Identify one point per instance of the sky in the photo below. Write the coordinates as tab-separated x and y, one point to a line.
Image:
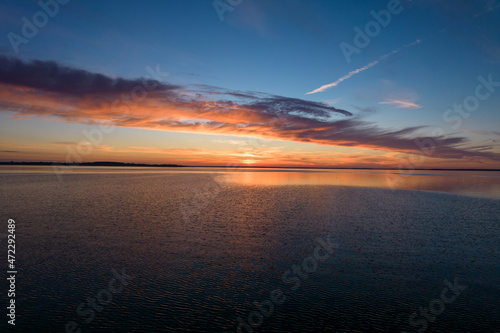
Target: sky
375	84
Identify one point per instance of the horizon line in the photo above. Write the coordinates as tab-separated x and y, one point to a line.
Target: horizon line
132	164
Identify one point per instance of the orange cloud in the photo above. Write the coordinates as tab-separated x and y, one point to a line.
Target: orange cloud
77	96
398	103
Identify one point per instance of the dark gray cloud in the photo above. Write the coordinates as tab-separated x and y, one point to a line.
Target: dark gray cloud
53	77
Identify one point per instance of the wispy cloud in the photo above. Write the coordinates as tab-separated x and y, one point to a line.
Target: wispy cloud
67	143
199	75
231	142
359	70
482	132
399	103
332	101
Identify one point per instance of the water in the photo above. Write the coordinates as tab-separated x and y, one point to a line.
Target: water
203	245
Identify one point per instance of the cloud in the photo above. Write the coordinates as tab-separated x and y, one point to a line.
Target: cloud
332	101
191	74
398	103
496	133
359	70
199	75
72	95
343	78
65	143
50	76
364	110
232	142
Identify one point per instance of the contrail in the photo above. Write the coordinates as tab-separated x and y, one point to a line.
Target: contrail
356	71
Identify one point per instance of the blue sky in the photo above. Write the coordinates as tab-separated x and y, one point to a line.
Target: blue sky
279	48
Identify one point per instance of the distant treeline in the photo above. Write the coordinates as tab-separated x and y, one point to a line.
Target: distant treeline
92	164
218	166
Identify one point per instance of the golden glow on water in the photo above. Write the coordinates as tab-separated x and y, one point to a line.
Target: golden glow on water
483	184
307	178
475	183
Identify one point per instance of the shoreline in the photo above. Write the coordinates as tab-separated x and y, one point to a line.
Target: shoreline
142	165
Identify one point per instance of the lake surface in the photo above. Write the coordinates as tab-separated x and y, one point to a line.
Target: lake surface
208	249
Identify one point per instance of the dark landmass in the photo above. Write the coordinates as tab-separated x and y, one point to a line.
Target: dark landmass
118	164
229	166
